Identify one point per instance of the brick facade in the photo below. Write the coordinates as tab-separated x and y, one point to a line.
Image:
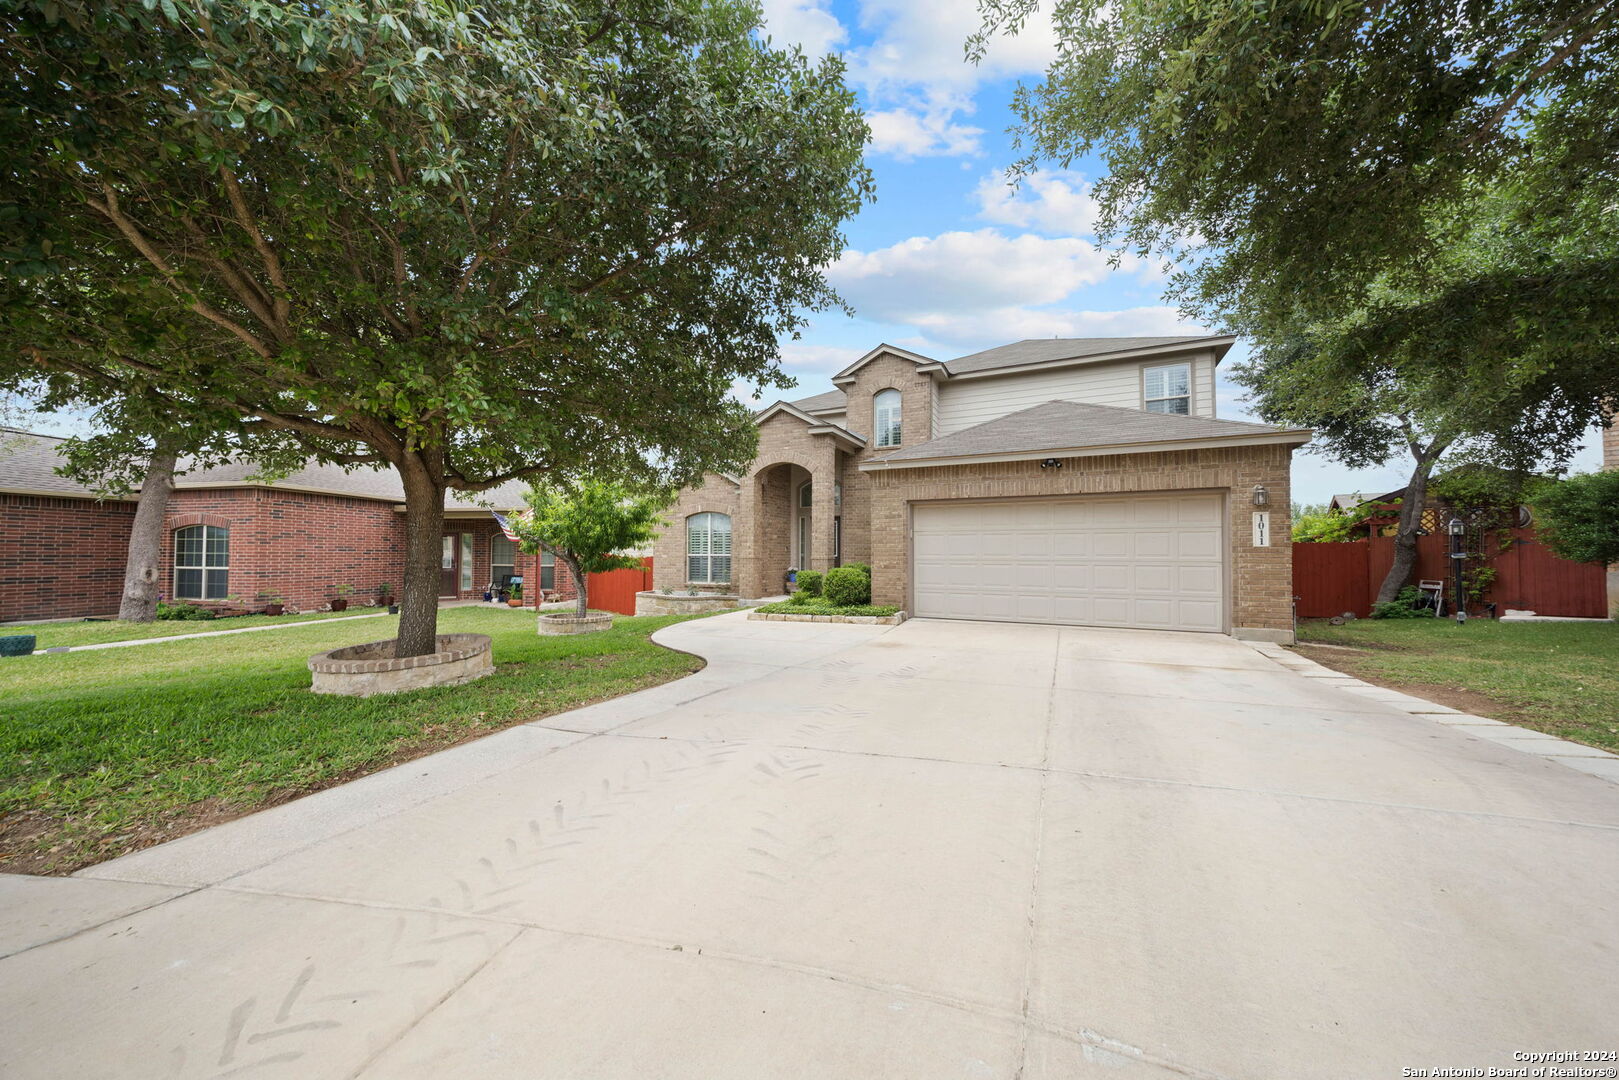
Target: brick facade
62	557
716	495
1261	578
65	557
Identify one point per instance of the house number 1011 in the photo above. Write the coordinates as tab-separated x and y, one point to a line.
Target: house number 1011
1262	528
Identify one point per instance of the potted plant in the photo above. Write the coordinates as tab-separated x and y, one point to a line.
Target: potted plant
274	603
516	599
340	602
385	598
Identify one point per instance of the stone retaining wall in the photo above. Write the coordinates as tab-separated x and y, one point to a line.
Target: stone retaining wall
364	670
656	603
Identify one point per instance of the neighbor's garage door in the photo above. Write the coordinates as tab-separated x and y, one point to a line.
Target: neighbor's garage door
1150	561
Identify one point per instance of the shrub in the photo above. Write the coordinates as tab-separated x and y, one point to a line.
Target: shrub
1409	604
847	586
864	568
821	607
1579	517
183	611
809	583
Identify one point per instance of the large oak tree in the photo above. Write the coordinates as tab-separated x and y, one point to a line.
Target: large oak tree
475	242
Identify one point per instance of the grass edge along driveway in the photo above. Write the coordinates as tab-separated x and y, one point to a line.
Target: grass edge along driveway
109	751
1555	677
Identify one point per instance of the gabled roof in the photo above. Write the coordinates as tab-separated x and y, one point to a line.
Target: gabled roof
28	463
831	401
1033	351
816	425
1071	428
847	374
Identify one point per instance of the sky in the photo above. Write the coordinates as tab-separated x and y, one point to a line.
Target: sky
950	259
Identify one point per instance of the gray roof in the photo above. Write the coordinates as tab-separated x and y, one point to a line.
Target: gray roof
1072	425
1049	350
832	399
28	463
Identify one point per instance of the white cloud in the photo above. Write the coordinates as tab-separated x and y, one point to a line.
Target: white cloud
923	42
965	272
1051	202
927	129
806	23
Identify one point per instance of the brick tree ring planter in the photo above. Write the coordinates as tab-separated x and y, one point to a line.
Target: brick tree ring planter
657	603
364	670
593	623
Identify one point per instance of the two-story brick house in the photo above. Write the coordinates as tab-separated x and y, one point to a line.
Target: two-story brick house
1083	481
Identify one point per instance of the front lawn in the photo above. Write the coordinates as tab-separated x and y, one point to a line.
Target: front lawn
1560	678
95	631
108	751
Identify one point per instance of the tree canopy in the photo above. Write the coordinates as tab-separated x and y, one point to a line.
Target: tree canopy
1579	517
475	242
590	525
1435	183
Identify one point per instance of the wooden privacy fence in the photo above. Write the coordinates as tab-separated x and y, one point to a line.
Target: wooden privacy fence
1330	579
615	590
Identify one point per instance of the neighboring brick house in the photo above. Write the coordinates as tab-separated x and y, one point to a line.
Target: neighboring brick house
1083	481
62	550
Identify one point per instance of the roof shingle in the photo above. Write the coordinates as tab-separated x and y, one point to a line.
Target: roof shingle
1050	350
1072	425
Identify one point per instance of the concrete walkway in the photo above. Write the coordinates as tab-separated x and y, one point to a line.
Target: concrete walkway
936	850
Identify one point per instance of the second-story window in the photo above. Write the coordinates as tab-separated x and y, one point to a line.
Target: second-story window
885	417
1167	389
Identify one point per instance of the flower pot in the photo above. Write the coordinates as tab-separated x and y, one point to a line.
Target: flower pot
340	604
393	609
514	603
17	645
274	609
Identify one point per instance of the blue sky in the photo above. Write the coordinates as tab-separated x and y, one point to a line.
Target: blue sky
950	260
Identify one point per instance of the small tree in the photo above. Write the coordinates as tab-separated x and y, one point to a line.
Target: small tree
1579	517
587	524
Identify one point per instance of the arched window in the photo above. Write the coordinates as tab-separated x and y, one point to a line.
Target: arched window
708	548
201	563
885	417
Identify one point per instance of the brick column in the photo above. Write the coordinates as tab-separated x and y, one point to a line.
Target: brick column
824	477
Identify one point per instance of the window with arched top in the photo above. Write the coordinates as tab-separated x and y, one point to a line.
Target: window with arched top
708	548
885	417
201	563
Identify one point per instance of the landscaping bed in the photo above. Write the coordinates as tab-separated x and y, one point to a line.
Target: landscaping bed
821	607
106	752
1559	678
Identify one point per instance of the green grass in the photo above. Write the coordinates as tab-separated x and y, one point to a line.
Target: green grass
1560	678
96	631
818	606
106	751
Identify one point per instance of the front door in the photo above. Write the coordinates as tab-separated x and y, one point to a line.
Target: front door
449	566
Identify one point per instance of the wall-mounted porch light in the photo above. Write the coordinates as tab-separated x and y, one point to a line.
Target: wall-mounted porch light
1051	463
1261	496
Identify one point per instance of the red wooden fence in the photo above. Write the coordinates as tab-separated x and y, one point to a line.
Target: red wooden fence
615	590
1330	579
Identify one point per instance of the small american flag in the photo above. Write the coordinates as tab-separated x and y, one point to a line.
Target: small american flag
505	526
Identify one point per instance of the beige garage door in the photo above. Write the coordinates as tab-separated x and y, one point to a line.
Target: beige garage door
1149	561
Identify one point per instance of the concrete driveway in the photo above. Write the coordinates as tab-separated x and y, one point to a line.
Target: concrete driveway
938	850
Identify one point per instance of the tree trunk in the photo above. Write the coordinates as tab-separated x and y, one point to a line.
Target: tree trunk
142	574
424	546
1405	536
579	583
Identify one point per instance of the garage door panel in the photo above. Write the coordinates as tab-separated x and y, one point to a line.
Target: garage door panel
1145	561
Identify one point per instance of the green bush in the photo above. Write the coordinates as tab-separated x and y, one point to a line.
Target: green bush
183	611
809	583
847	585
864	568
1579	517
1404	606
821	607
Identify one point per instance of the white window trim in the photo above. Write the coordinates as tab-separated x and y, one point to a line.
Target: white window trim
1191	387
202	567
709	554
878	434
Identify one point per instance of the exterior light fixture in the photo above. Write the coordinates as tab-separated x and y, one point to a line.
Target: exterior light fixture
1261	496
1051	463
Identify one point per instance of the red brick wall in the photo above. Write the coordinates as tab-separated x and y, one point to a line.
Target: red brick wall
61	558
485	530
295	544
